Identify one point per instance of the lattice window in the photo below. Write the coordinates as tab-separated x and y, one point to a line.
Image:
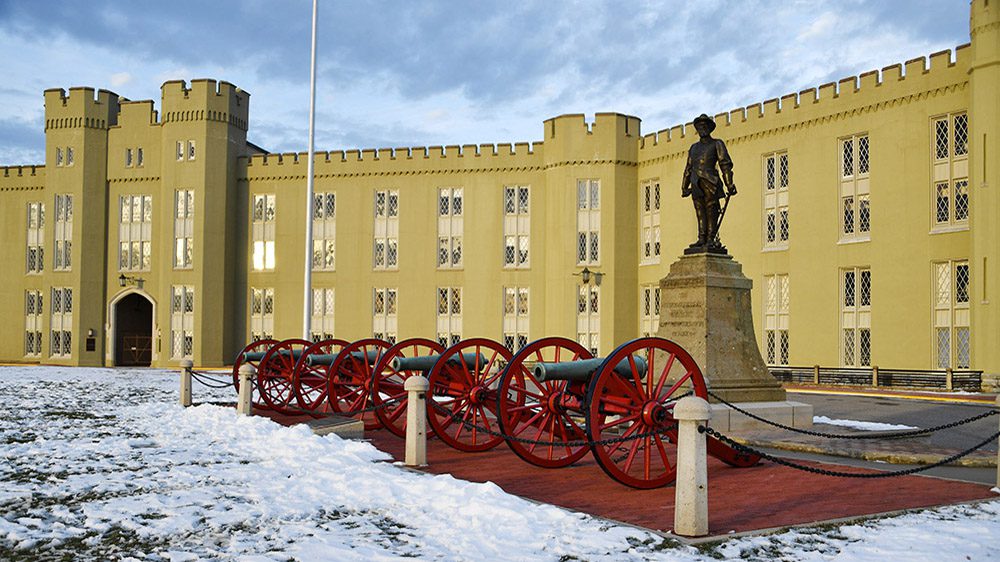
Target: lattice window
449	315
776	317
324	235
35	251
516	226
950	171
952	315
515	317
649	310
384	314
385	251
855	317
588	222
649	211
61	322
184	229
135	230
261	313
33	310
588	317
181	322
262	230
451	223
63	254
775	205
321	323
855	189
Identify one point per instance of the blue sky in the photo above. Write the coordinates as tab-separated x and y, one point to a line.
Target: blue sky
431	73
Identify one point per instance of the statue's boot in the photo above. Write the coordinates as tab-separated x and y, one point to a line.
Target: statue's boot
699	213
712	221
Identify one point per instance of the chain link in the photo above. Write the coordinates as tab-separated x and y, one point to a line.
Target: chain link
778	460
351	413
914	433
205	379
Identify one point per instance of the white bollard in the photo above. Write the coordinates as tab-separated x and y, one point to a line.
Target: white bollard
416	420
998	451
691	491
244	404
186	365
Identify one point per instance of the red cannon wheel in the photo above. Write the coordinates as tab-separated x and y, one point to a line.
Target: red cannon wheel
253	348
387	385
640	403
463	394
274	374
309	380
544	412
350	379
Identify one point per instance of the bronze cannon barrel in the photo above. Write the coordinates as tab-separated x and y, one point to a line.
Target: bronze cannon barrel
426	362
582	370
329	358
258	355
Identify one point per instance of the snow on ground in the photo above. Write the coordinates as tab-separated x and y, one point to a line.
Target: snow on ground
101	464
862	425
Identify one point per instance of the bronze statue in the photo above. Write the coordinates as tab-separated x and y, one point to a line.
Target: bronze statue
703	183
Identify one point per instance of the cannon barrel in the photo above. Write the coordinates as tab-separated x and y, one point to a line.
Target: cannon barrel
258	355
329	358
426	362
582	370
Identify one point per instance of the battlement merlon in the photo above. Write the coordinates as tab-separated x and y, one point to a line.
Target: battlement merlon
205	99
611	137
81	108
137	113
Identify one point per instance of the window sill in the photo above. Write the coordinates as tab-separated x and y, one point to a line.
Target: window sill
948	228
183	268
857	240
781	248
644	263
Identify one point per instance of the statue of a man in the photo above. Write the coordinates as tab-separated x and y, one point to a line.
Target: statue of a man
703	183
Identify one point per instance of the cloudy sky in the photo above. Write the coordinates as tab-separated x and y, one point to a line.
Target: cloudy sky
426	72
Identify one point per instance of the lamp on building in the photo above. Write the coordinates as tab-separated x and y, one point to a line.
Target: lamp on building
127	280
586	275
90	332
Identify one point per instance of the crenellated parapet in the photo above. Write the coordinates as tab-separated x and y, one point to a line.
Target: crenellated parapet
22	178
610	138
205	100
467	158
137	113
80	108
913	80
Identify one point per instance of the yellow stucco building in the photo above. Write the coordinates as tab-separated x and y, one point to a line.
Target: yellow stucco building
867	218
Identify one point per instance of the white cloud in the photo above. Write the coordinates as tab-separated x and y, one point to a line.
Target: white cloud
120	79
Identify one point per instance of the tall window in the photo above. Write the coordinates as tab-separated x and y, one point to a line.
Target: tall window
776	200
951	315
450	227
516	226
950	151
321	325
855	189
61	324
128	157
515	317
385	254
588	317
33	311
183	229
649	207
35	252
261	313
449	315
384	315
185	150
135	230
649	310
262	226
181	321
776	319
856	317
588	222
324	231
63	255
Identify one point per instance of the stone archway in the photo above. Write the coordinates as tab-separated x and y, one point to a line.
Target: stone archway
133	331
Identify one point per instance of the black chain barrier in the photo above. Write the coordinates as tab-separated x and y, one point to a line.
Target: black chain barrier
913	433
206	379
351	413
784	462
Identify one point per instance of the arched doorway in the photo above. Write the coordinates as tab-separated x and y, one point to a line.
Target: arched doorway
133	331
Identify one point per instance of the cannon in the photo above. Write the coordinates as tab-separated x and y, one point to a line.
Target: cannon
350	376
309	379
558	398
275	373
397	364
251	355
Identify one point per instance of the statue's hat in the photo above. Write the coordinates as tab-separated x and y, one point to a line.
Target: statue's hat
705	119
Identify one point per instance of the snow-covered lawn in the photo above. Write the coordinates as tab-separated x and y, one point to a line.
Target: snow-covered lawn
100	464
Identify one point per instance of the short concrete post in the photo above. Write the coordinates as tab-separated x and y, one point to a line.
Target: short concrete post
691	488
875	376
816	375
998	451
186	365
244	404
416	420
949	384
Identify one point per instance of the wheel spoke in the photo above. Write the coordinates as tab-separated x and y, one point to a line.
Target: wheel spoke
664	375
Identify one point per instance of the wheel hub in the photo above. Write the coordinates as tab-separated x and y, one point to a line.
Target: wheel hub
654	414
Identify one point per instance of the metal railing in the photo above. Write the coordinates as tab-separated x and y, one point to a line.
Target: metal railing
941	379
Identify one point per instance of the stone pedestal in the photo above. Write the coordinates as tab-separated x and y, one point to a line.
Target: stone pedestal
705	307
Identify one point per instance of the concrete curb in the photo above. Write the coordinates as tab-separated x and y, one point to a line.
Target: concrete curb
974	460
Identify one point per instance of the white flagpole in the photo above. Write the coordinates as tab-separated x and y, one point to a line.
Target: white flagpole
307	277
